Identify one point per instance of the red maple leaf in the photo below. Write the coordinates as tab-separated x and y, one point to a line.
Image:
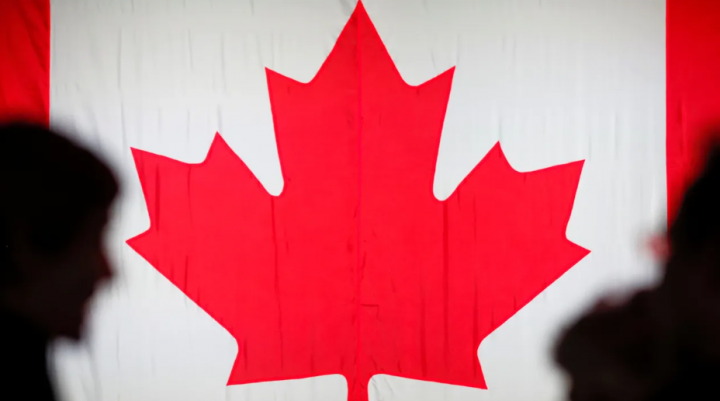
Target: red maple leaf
356	268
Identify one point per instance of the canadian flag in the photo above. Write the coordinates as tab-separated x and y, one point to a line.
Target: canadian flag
376	200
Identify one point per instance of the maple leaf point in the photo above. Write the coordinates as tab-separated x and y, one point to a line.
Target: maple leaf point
356	268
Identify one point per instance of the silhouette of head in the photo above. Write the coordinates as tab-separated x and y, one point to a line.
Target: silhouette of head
692	277
54	202
664	342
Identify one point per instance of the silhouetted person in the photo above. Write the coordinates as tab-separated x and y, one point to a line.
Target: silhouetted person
664	343
54	201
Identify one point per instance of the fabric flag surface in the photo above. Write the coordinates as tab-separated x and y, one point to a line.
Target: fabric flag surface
376	200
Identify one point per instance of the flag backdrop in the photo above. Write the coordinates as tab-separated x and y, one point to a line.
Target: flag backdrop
386	200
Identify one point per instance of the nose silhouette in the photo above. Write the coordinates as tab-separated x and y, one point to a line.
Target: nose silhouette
103	271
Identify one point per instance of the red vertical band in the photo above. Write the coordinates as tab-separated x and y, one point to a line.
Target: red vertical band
693	89
25	59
